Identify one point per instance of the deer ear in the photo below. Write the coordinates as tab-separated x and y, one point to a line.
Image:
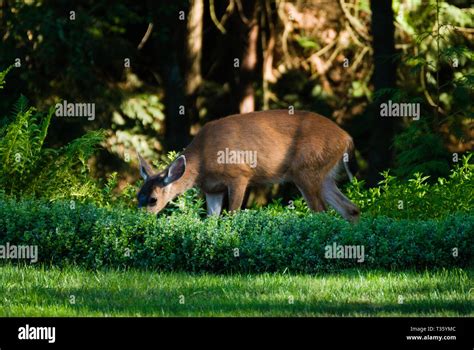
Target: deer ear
176	170
145	168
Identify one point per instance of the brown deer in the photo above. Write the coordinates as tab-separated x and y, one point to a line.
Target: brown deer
231	153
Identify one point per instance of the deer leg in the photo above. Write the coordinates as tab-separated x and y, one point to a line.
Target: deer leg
311	194
236	194
214	203
338	201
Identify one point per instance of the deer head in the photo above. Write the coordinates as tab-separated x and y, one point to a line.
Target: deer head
159	189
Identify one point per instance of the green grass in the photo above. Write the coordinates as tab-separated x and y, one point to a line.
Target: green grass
37	291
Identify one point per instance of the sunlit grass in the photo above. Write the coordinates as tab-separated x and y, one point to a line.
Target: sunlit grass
36	291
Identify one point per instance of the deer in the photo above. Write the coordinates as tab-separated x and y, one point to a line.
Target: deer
301	147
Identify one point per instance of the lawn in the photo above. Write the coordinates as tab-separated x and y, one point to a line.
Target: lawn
71	291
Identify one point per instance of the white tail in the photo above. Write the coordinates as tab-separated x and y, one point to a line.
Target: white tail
229	154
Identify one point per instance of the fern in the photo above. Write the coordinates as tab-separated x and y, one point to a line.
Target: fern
63	173
3	74
28	168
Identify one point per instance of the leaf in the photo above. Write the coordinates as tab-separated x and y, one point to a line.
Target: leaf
307	43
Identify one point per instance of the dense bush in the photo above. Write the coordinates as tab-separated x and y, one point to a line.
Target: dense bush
416	198
249	241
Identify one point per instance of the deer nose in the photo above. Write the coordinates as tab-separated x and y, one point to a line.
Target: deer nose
141	201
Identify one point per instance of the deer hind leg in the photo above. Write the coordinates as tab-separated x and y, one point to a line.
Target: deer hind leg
311	193
334	197
214	203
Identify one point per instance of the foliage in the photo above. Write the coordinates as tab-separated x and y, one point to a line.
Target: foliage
416	198
440	59
30	169
420	150
3	75
248	241
84	59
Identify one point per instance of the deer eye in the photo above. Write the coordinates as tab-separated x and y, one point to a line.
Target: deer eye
152	201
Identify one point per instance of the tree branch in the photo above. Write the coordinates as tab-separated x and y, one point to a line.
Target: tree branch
146	36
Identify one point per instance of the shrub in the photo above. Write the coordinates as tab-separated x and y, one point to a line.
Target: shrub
415	198
27	168
248	241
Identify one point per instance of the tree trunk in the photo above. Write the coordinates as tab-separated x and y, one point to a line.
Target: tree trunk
176	124
249	58
383	129
181	94
193	56
268	42
194	47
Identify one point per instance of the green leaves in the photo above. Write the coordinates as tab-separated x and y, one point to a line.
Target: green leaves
21	142
307	43
3	74
419	149
416	198
29	169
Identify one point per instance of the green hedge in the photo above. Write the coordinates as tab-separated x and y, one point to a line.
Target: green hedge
95	237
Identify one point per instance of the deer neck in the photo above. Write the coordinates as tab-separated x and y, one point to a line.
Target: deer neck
188	180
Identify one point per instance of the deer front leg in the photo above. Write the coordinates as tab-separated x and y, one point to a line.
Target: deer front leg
236	194
214	203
